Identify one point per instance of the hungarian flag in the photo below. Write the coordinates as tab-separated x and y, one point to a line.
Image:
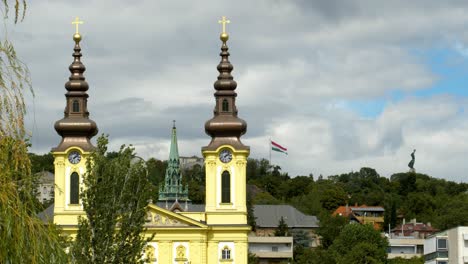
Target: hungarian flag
277	147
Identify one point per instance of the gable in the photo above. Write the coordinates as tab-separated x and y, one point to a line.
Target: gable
159	217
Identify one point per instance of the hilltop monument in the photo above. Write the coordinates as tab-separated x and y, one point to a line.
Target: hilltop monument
411	163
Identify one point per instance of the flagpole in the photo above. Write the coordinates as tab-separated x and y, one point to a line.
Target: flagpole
270	151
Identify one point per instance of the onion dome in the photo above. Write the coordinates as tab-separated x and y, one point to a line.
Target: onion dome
76	128
225	128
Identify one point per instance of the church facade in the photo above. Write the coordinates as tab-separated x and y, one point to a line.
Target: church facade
217	234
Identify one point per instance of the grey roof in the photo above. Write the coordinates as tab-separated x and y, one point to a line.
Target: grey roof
368	209
48	214
270	215
46	177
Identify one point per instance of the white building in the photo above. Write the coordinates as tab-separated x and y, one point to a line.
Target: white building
447	247
271	249
45	187
189	162
405	247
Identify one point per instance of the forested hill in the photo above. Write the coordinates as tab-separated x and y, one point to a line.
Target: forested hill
404	195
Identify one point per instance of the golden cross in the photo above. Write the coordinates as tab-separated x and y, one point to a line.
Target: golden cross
224	22
77	22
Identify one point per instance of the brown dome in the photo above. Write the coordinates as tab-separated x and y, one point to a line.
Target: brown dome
76	128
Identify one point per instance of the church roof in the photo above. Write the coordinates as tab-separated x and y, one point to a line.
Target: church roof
47	215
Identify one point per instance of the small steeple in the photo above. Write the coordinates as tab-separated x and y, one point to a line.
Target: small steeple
173	189
76	128
174	151
225	127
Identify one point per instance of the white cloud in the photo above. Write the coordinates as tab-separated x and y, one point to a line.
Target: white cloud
299	66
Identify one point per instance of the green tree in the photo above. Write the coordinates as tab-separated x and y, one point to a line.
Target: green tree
282	229
330	227
359	244
24	238
251	219
41	162
252	258
115	196
314	256
195	178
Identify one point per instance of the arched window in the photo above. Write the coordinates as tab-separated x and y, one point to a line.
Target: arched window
226	253
225	187
76	106
74	188
225	105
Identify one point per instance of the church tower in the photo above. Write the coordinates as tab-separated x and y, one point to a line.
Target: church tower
225	156
72	153
173	190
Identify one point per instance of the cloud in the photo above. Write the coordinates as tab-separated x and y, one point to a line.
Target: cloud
341	142
299	65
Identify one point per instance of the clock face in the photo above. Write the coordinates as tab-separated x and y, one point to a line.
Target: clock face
74	157
225	156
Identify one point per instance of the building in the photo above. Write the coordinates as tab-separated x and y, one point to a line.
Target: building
45	186
405	247
219	233
447	247
271	249
407	240
413	229
173	190
189	162
268	217
363	214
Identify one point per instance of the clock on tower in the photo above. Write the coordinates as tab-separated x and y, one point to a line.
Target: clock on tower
76	129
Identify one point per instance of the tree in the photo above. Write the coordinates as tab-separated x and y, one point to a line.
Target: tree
42	162
24	237
115	196
251	219
359	244
282	229
252	258
314	256
330	228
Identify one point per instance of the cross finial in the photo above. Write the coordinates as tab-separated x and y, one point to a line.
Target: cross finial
77	22
223	21
173	123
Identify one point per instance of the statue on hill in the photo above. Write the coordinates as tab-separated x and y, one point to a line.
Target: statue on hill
411	163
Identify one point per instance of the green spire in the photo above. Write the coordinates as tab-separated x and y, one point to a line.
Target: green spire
173	189
174	152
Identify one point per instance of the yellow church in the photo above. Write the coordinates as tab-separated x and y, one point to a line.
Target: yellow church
215	234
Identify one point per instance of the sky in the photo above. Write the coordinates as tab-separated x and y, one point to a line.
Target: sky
341	84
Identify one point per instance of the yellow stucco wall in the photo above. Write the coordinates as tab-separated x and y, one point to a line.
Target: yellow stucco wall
201	234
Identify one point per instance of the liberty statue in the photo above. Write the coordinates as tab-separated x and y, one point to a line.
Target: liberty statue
411	163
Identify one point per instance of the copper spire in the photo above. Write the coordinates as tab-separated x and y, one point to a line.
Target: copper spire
225	128
76	128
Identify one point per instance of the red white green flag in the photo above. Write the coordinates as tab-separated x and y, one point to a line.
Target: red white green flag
277	147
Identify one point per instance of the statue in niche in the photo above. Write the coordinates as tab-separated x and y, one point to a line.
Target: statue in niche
411	163
180	254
